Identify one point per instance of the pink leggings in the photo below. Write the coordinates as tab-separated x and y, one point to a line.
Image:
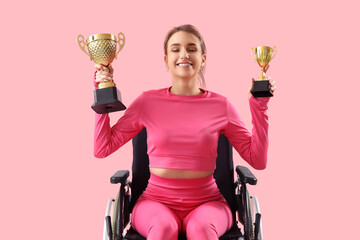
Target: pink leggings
194	206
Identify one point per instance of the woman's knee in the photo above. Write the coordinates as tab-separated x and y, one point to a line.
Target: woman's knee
208	221
165	227
201	229
155	221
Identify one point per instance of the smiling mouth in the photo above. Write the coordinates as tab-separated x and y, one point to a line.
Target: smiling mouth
184	64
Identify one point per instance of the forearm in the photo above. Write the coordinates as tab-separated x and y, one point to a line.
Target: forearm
259	137
102	136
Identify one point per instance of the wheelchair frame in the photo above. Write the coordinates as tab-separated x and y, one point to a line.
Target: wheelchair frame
115	226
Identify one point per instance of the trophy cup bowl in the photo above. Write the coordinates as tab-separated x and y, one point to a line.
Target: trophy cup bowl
262	55
102	50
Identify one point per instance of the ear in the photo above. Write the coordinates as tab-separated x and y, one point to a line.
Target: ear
165	60
203	60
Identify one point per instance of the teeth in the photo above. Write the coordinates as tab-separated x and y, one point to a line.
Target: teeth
184	64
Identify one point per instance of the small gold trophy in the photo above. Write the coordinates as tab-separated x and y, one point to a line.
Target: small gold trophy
102	50
263	56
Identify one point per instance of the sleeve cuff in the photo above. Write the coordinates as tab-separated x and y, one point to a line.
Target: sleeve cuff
261	102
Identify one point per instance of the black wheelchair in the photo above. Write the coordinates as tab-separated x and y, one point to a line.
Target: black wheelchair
236	194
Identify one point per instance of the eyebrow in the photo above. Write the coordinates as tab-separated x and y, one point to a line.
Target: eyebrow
178	44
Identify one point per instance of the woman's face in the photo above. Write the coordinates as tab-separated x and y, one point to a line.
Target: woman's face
184	58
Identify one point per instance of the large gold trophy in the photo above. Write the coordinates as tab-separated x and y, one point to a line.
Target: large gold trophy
102	50
263	56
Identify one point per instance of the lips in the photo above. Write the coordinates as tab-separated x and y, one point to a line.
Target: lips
184	64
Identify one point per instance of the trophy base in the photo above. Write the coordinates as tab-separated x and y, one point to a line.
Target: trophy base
261	89
106	101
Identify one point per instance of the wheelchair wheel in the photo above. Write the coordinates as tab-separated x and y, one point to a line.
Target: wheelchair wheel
257	217
249	225
115	215
246	216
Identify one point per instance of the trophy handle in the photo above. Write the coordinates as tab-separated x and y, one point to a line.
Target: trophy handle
81	42
252	52
274	51
121	42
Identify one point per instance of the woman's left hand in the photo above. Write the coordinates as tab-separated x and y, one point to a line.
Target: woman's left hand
272	85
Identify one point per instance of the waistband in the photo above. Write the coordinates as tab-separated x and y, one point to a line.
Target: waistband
180	182
182	194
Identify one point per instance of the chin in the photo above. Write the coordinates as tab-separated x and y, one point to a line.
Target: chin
185	74
185	77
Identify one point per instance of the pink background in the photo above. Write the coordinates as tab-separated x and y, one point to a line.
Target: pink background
52	186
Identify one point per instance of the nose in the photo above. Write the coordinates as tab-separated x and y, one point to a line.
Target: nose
184	54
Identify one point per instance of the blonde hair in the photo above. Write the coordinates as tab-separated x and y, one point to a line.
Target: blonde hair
190	29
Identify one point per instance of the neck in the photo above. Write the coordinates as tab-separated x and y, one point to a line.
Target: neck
185	88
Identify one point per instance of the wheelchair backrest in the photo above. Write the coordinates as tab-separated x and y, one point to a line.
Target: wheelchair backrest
224	172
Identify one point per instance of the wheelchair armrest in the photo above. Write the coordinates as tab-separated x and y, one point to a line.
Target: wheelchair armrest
245	175
120	177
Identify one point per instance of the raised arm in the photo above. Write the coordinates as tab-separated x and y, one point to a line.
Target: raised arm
252	147
108	139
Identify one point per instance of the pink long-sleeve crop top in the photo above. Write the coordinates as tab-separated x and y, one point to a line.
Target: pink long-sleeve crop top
183	130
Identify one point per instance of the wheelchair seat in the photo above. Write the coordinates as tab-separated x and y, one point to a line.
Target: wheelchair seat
235	193
233	233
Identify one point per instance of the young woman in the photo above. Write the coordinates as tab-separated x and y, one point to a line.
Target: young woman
183	124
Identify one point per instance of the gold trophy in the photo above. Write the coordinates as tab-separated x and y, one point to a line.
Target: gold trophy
102	50
263	56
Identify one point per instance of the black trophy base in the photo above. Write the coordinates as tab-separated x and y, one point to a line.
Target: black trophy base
106	101
261	89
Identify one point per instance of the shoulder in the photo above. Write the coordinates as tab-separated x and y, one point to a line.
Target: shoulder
216	98
216	95
147	97
154	92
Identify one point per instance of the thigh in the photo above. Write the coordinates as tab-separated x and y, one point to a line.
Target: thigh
154	218
211	217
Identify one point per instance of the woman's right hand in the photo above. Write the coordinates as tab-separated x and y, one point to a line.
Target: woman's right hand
103	73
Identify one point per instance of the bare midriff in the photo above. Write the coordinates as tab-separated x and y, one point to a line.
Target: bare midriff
179	173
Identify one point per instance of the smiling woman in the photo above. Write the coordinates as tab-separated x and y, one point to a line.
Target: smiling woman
196	44
184	59
183	124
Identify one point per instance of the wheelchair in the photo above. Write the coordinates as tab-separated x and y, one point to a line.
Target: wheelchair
118	226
